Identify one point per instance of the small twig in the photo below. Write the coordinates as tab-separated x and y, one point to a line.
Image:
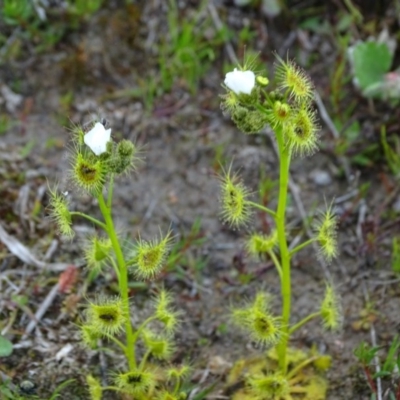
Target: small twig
219	25
47	302
389	282
10	40
331	126
361	219
346	196
51	250
19	250
25	255
40	11
325	116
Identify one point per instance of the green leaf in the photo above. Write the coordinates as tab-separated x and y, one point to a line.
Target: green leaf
6	347
371	60
59	388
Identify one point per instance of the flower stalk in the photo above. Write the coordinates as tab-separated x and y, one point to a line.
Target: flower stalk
123	277
284	164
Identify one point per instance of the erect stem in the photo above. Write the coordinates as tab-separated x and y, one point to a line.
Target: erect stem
284	163
123	278
370	380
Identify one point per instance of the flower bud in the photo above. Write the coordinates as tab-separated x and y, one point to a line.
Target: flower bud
125	148
262	80
249	121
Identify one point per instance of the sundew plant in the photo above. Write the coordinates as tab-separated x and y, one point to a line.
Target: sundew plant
96	160
288	110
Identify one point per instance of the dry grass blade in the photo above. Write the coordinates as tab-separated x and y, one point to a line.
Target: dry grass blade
19	250
26	256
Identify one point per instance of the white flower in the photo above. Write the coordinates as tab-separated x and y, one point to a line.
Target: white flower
240	81
97	138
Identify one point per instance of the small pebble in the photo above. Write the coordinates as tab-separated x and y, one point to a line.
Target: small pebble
320	177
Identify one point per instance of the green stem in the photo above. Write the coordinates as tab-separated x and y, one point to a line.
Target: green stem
294	371
123	278
276	262
177	386
115	266
144	360
284	163
262	208
301	246
110	191
91	219
115	388
143	325
117	342
304	321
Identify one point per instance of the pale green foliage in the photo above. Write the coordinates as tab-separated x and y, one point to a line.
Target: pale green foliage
150	256
106	315
257	319
234	200
330	310
59	212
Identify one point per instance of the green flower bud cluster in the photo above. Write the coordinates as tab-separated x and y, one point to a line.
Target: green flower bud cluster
122	158
92	167
287	109
243	110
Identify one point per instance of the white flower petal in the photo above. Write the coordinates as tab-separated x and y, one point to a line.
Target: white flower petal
240	81
97	138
